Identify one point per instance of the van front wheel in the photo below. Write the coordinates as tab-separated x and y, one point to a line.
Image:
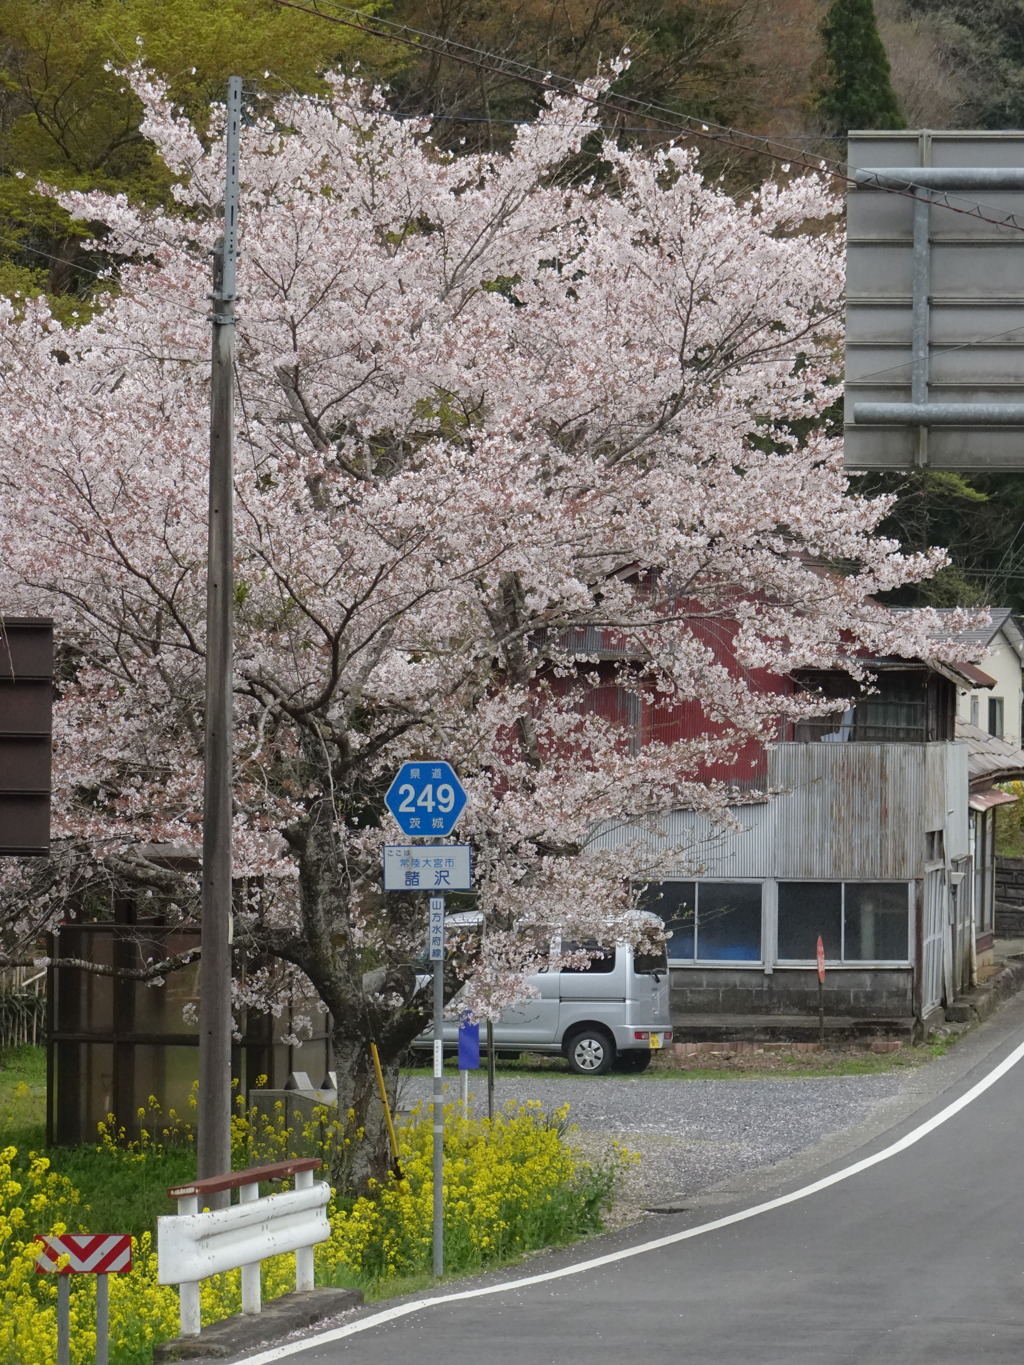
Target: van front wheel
590	1052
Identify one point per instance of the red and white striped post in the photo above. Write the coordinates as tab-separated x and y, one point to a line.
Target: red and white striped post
71	1253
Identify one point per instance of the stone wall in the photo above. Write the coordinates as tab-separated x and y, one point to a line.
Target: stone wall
1010	897
855	993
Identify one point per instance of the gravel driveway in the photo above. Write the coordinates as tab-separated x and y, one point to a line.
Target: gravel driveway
691	1134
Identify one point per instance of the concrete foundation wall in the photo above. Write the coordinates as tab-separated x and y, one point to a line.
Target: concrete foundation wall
860	994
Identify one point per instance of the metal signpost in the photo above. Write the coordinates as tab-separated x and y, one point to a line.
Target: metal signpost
426	799
99	1254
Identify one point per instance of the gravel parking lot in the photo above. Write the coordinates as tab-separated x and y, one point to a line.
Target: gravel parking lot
692	1134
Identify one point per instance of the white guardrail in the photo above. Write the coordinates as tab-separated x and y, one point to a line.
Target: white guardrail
192	1245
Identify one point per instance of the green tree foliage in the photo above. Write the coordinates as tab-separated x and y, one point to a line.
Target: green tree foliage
981	522
983	42
66	117
689	55
857	91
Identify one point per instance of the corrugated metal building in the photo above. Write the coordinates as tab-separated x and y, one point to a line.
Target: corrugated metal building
870	844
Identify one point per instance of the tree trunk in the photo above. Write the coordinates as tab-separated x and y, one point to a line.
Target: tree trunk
326	953
363	1152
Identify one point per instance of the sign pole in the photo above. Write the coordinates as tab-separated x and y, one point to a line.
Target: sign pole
86	1253
437	953
64	1320
426	799
490	1069
102	1319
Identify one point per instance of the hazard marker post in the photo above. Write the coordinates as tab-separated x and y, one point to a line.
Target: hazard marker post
821	992
99	1254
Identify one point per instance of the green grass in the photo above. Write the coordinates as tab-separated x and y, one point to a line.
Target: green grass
23	1097
747	1066
123	1194
869	1065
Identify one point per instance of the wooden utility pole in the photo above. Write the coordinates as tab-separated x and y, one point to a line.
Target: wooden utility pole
214	1117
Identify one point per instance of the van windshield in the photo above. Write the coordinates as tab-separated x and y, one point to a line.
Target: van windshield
650	964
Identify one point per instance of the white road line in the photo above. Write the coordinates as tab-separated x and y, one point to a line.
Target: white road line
581	1267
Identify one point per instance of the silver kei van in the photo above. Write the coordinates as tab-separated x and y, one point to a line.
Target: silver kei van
611	1015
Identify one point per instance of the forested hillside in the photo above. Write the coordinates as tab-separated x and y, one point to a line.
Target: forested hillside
800	70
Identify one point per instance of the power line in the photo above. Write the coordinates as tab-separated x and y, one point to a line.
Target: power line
772	148
60	260
612	127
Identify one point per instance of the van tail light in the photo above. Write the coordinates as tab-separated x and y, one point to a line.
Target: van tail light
642	1035
668	1035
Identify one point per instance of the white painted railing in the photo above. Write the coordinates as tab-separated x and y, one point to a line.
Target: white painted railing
192	1245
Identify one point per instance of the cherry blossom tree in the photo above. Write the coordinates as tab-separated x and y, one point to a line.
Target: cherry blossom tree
506	438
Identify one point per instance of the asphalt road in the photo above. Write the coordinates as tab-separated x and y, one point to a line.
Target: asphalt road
917	1260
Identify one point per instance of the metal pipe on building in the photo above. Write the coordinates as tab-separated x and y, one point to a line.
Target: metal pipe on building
939	414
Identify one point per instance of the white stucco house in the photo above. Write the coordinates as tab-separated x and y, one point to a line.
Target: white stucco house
997	710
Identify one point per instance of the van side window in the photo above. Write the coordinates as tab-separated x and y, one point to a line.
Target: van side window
650	964
604	963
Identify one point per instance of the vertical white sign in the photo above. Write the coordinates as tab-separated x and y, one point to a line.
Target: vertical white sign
435	929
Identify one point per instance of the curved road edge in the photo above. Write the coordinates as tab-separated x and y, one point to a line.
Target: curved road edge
935	1094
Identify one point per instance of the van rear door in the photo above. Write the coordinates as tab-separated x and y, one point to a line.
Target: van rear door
649	986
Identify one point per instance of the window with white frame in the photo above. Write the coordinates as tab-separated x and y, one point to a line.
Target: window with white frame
857	921
709	921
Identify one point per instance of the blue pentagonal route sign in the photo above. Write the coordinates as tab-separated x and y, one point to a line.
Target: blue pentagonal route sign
426	799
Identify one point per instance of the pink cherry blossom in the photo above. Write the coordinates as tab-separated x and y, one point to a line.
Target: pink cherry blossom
506	436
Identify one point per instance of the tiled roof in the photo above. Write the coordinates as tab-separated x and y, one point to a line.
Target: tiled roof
982	636
989	759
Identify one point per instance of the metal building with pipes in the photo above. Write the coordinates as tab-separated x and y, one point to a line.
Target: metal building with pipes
935	301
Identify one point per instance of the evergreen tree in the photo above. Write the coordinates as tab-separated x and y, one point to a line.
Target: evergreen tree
857	90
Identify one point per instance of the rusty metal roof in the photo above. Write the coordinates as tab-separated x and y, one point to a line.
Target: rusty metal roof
986	800
974	675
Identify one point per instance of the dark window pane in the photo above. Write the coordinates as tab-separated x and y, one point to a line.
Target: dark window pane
604	961
647	963
729	921
673	901
995	716
807	909
876	921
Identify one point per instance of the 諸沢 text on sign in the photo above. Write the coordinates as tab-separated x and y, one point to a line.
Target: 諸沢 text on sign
419	867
